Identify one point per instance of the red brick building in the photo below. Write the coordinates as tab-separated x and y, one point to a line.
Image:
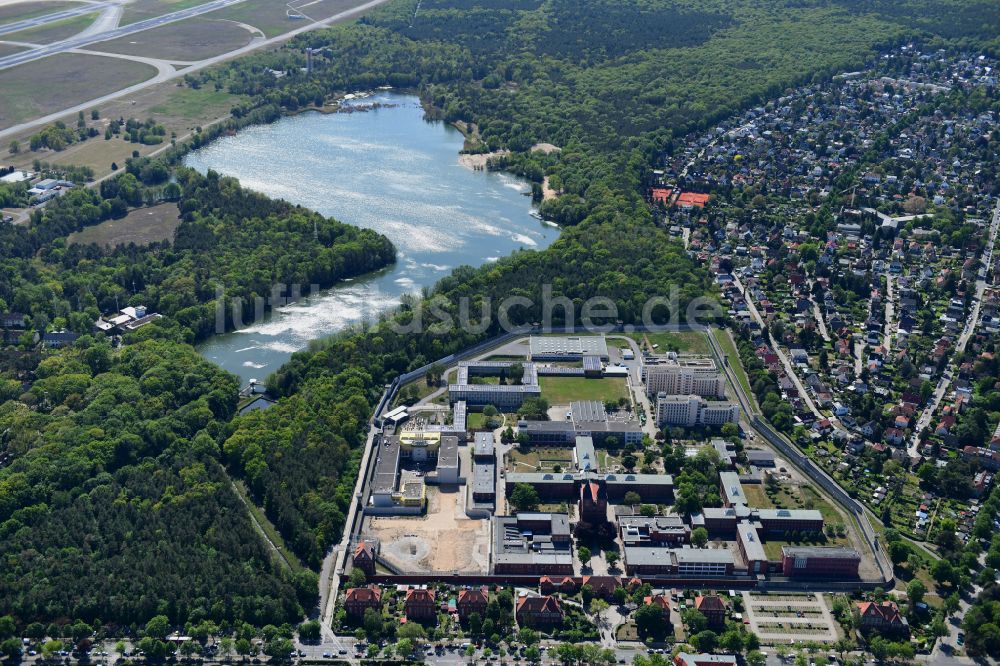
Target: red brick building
662	602
420	604
538	611
882	618
593	503
603	586
819	562
550	584
713	608
359	599
364	557
473	601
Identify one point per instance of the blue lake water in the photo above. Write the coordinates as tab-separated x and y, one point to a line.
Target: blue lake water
387	169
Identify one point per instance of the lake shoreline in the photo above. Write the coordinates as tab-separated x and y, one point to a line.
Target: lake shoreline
391	171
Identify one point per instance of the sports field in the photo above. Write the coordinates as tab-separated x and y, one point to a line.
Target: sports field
564	390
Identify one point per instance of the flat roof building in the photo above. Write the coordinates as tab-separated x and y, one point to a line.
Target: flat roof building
532	543
588	418
748	541
820	562
675	375
683	562
731	489
656	531
654	488
691	410
585	455
386	472
484	445
588	411
567	347
760	458
447	469
501	396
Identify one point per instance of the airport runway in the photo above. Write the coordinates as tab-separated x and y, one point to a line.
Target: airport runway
139	26
39	21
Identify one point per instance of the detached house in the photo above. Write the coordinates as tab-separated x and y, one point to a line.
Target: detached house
359	599
538	611
882	618
419	604
713	608
473	601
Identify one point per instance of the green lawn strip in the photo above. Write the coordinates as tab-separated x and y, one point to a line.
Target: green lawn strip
726	342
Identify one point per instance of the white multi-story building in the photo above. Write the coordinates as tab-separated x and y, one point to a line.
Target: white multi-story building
692	410
673	375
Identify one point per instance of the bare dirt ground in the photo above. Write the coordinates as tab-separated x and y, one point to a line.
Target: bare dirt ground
479	161
142	226
443	540
186	41
547	191
545	148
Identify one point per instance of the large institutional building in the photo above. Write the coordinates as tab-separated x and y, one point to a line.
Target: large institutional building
691	410
674	375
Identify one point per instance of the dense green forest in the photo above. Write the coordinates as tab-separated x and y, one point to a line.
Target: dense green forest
229	238
116	506
116	501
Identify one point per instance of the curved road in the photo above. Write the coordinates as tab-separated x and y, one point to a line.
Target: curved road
166	76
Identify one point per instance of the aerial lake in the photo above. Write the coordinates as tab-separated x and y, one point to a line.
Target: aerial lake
387	169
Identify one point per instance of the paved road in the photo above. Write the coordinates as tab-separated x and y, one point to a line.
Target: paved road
793	457
963	339
39	21
890	313
90	38
787	364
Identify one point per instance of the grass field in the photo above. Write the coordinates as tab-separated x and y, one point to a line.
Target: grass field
187	41
564	390
539	459
689	342
194	104
269	16
144	9
179	109
36	88
9	49
52	32
142	226
756	497
20	11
